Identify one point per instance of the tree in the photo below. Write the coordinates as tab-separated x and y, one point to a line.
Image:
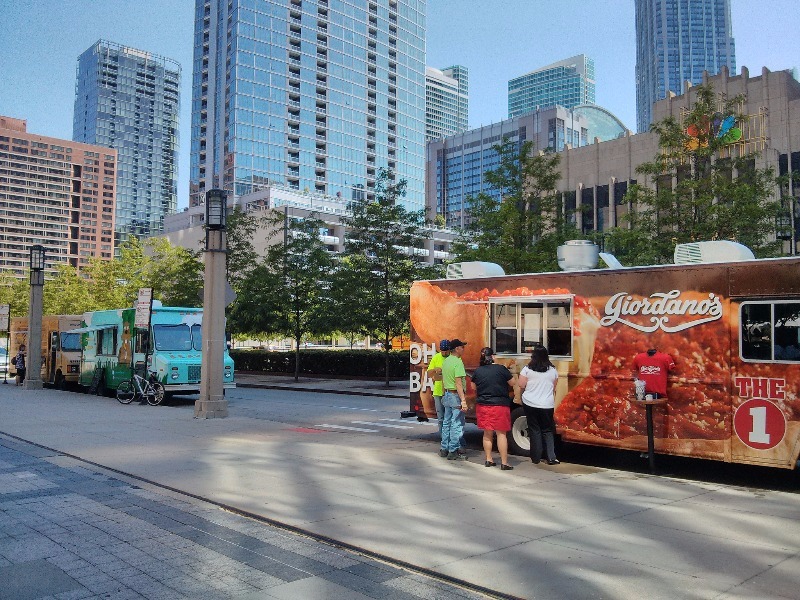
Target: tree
717	193
380	246
67	293
285	292
242	257
521	229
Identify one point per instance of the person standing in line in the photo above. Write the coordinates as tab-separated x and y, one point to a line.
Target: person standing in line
435	372
493	408
19	363
537	380
454	401
652	367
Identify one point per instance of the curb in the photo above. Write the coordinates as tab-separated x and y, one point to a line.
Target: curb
268	386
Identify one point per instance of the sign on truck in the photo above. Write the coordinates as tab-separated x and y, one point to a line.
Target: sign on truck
733	330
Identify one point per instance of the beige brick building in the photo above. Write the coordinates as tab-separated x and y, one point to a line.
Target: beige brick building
57	193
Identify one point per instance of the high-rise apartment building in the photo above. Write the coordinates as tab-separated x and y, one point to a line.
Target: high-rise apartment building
446	101
676	40
128	99
56	193
311	94
566	83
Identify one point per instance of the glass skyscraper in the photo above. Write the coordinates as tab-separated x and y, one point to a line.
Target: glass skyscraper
128	99
676	40
317	95
566	83
446	101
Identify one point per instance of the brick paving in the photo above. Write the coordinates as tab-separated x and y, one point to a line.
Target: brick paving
69	531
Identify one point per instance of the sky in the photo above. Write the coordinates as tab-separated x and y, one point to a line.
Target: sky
496	40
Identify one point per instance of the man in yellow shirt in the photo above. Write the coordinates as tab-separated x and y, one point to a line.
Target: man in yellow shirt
435	372
454	401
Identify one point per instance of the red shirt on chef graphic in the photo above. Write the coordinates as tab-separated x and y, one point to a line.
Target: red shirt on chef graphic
652	368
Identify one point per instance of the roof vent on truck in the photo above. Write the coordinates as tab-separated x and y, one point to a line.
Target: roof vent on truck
471	269
577	255
711	252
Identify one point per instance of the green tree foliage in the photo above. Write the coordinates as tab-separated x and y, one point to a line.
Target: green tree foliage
242	257
67	293
714	195
521	230
380	243
15	292
285	292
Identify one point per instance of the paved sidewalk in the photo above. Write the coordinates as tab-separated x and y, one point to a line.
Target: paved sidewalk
70	531
569	531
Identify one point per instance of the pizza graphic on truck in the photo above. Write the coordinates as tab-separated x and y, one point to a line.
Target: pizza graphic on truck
733	329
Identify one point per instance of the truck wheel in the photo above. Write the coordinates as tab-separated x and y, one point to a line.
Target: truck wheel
518	441
60	381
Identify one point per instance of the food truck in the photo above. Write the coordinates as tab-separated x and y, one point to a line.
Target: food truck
61	350
730	322
112	346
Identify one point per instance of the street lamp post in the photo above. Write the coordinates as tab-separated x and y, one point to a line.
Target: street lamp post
212	403
33	375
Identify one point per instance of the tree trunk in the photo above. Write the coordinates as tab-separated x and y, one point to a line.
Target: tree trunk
386	347
297	360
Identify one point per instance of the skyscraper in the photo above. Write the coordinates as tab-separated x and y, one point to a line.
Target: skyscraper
315	95
128	99
676	40
566	83
446	101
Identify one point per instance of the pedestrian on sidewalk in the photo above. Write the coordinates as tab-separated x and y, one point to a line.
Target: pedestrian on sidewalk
435	373
454	401
19	363
537	380
493	408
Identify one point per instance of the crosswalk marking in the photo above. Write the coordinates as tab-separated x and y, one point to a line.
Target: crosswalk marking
433	423
328	426
382	425
356	408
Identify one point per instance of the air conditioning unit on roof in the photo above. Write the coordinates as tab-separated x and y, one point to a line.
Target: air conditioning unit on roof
711	252
471	269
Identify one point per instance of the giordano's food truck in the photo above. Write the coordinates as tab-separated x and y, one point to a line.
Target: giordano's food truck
61	349
171	348
731	323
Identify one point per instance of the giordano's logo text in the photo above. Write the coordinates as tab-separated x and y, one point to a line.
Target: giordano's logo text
666	311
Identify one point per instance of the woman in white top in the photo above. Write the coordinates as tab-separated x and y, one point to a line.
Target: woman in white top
537	380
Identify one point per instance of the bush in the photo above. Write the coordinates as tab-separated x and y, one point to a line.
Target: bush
343	363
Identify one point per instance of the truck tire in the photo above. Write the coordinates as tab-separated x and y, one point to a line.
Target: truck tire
518	441
60	381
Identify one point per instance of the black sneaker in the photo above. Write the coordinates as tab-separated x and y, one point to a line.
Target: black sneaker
456	456
442	452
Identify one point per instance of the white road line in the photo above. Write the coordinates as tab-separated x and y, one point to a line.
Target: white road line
414	422
382	425
327	426
364	409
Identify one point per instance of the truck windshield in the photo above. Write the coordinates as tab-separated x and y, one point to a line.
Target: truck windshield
172	337
197	337
71	342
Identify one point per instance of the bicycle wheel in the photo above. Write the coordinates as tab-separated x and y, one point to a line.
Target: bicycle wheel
125	392
155	394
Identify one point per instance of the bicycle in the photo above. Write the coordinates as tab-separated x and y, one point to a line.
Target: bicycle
141	388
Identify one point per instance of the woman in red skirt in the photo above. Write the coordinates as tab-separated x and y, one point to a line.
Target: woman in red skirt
493	406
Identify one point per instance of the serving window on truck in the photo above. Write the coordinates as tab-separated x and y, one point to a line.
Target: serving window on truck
107	342
770	331
518	326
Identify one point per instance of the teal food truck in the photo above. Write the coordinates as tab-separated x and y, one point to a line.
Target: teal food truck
171	349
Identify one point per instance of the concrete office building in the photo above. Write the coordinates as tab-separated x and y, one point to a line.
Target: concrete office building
128	99
314	95
186	228
56	193
566	83
676	41
446	102
596	177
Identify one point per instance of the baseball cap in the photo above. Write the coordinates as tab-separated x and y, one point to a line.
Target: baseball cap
455	343
444	345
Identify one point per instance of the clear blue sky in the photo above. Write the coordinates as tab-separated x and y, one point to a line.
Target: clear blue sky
496	39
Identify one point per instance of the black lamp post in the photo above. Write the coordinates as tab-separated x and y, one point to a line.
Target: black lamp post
33	373
211	403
